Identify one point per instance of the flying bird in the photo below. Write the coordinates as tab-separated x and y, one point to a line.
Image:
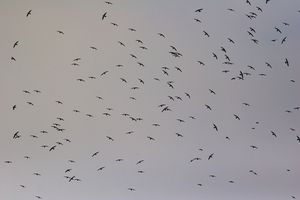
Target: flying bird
28	13
104	15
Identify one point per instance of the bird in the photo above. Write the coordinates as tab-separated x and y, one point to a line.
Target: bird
199	10
298	138
96	153
13	58
237	117
100	168
150	138
131	189
194	159
215	127
28	13
16	135
52	148
211	91
179	135
210	156
109	138
15	44
139	162
283	40
162	35
104	15
286	62
60	32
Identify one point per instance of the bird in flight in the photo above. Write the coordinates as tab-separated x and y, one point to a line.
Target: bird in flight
210	156
104	15
15	44
16	135
28	13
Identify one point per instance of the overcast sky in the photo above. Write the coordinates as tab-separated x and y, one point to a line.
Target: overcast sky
212	99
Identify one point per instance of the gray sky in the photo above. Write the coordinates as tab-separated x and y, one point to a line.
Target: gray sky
44	61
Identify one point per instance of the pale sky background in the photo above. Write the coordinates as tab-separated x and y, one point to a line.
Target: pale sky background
43	61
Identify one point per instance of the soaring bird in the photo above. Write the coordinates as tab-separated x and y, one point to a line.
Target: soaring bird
211	91
139	162
109	138
236	117
286	62
28	13
199	10
179	135
94	154
15	44
104	15
61	32
100	168
162	35
150	138
215	127
283	40
298	138
15	136
210	156
52	148
197	158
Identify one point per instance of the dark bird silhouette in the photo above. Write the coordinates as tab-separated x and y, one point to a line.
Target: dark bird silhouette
162	35
211	91
199	10
94	48
104	15
139	162
194	159
283	40
61	32
179	135
253	147
286	62
200	62
12	58
109	138
94	154
230	40
8	162
237	117
298	138
15	44
131	189
277	29
28	13
150	138
100	168
215	127
273	133
68	170
253	172
205	33
52	148
16	135
210	156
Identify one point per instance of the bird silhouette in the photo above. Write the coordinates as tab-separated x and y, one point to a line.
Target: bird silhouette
104	15
28	13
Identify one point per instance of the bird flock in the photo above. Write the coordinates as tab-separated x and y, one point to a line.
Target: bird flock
125	113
